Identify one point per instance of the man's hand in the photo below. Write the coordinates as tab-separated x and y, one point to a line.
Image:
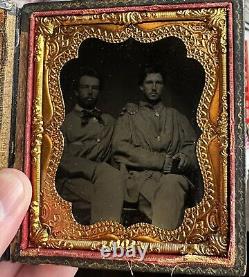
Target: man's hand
167	166
183	161
15	196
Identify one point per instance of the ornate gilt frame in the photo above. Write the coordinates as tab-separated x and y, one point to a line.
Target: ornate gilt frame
55	38
57	41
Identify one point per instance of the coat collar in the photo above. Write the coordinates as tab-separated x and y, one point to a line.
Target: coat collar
79	109
157	107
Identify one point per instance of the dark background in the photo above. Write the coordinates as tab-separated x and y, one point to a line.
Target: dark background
119	66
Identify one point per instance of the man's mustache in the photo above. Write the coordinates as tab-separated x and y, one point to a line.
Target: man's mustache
154	92
90	98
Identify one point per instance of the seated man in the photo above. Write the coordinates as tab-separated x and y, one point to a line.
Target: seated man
84	177
154	147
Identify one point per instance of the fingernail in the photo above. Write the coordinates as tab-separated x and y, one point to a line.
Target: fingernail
11	193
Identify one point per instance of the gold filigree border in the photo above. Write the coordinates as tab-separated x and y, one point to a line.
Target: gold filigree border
204	228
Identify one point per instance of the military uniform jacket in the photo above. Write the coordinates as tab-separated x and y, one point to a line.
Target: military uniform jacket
144	135
85	146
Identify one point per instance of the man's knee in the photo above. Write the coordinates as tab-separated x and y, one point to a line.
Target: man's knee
110	176
173	185
173	178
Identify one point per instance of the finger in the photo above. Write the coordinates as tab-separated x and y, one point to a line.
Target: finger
182	163
176	156
167	170
9	269
168	166
15	195
47	271
186	163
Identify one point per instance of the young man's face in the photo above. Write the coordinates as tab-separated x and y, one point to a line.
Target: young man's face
87	92
152	87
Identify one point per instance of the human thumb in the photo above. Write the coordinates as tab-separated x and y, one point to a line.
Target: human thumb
15	196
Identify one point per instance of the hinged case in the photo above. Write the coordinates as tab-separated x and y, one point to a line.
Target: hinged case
200	45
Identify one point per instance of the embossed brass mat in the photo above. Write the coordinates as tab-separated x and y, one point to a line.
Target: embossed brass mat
56	38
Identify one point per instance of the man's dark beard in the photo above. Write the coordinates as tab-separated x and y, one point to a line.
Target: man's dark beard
89	105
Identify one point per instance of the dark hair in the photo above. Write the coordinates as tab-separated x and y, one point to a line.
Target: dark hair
85	71
149	69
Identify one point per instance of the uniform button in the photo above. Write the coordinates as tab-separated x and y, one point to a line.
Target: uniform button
157	114
98	140
158	138
95	119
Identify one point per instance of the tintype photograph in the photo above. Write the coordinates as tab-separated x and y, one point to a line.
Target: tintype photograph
132	134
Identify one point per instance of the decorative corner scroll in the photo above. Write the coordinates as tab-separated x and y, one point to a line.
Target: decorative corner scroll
216	245
39	234
215	18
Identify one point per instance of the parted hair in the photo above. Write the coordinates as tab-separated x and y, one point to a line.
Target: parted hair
150	68
85	71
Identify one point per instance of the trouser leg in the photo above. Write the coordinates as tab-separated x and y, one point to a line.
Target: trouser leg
169	201
108	194
78	191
